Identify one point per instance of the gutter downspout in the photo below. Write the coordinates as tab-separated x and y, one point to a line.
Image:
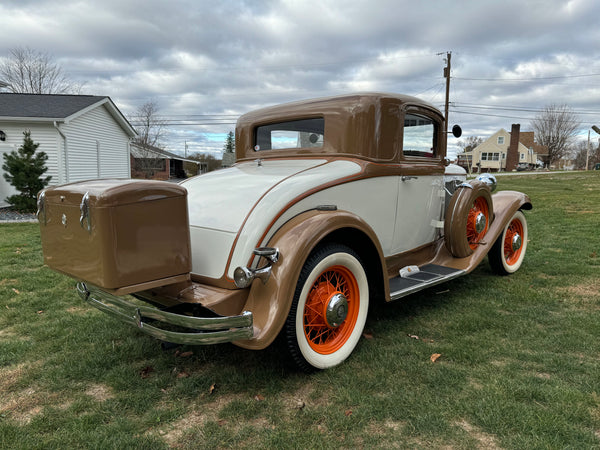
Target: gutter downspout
66	154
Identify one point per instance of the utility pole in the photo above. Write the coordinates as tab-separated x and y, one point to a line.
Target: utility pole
447	76
587	154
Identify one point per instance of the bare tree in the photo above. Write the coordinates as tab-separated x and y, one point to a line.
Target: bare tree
150	127
211	162
581	153
556	128
470	143
27	71
151	130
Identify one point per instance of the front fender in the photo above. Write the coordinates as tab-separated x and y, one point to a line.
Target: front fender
505	204
270	302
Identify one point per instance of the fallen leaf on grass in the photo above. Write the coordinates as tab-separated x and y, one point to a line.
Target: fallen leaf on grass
259	398
222	422
348	412
16	291
41	311
183	354
435	357
146	371
212	388
183	374
413	336
368	335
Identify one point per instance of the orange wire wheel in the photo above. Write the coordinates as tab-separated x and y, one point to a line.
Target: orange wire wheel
477	222
508	252
467	218
513	242
331	310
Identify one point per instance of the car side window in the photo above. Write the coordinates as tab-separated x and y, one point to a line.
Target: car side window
305	133
419	136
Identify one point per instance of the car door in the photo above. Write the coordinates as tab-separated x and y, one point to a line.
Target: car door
420	183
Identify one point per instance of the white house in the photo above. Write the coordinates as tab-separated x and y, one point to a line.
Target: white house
491	155
84	136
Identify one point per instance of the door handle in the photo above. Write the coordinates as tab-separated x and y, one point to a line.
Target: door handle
408	177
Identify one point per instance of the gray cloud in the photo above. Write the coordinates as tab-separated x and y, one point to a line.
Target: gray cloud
197	57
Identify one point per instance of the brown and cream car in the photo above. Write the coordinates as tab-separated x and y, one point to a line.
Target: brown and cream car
332	204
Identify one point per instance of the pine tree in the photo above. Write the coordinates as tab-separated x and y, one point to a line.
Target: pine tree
24	169
229	143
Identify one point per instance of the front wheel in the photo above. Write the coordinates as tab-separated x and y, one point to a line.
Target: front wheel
507	253
329	308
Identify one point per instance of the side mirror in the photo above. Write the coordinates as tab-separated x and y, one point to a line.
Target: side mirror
456	131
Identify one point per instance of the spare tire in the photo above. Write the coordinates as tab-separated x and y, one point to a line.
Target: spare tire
467	218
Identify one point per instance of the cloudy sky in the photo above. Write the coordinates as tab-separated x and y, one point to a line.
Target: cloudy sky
206	62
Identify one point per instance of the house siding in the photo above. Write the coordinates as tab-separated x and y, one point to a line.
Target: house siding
97	147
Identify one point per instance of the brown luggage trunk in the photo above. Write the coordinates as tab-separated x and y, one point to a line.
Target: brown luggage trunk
120	235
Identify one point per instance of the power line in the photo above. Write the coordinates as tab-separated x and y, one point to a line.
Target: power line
529	79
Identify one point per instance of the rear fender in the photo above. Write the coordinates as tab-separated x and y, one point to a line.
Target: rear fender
270	302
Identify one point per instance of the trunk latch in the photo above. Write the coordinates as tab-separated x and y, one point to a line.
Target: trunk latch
85	220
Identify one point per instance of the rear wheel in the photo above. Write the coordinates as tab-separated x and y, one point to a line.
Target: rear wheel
329	309
507	253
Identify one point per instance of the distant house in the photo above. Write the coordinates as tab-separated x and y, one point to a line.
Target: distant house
84	136
155	163
495	153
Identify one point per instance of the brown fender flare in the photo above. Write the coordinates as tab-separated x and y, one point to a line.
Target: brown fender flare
505	205
456	219
270	302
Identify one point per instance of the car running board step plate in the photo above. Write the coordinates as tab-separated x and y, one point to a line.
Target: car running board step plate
427	276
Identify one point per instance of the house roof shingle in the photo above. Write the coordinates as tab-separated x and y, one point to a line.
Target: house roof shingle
45	106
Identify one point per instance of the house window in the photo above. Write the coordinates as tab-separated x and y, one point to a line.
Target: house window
496	157
522	155
484	156
500	140
503	155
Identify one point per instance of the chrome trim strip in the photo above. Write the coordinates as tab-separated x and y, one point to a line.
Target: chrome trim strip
203	330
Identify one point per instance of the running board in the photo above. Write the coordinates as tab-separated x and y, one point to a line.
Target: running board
427	276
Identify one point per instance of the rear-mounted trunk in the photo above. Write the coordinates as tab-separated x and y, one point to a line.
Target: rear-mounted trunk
123	236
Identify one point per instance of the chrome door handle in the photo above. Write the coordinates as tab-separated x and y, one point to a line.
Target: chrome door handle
408	177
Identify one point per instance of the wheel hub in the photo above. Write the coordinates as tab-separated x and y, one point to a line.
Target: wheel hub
480	223
516	242
336	310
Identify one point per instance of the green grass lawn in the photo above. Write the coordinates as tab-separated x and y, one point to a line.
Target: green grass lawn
519	365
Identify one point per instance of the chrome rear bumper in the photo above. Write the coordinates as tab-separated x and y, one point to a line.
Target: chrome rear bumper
203	330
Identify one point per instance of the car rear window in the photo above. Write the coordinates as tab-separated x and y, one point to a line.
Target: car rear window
304	133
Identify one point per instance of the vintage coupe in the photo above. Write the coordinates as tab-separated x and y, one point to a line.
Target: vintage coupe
333	203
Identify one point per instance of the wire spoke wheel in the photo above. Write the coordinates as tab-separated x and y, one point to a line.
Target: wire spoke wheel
508	252
477	222
329	308
322	336
468	218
